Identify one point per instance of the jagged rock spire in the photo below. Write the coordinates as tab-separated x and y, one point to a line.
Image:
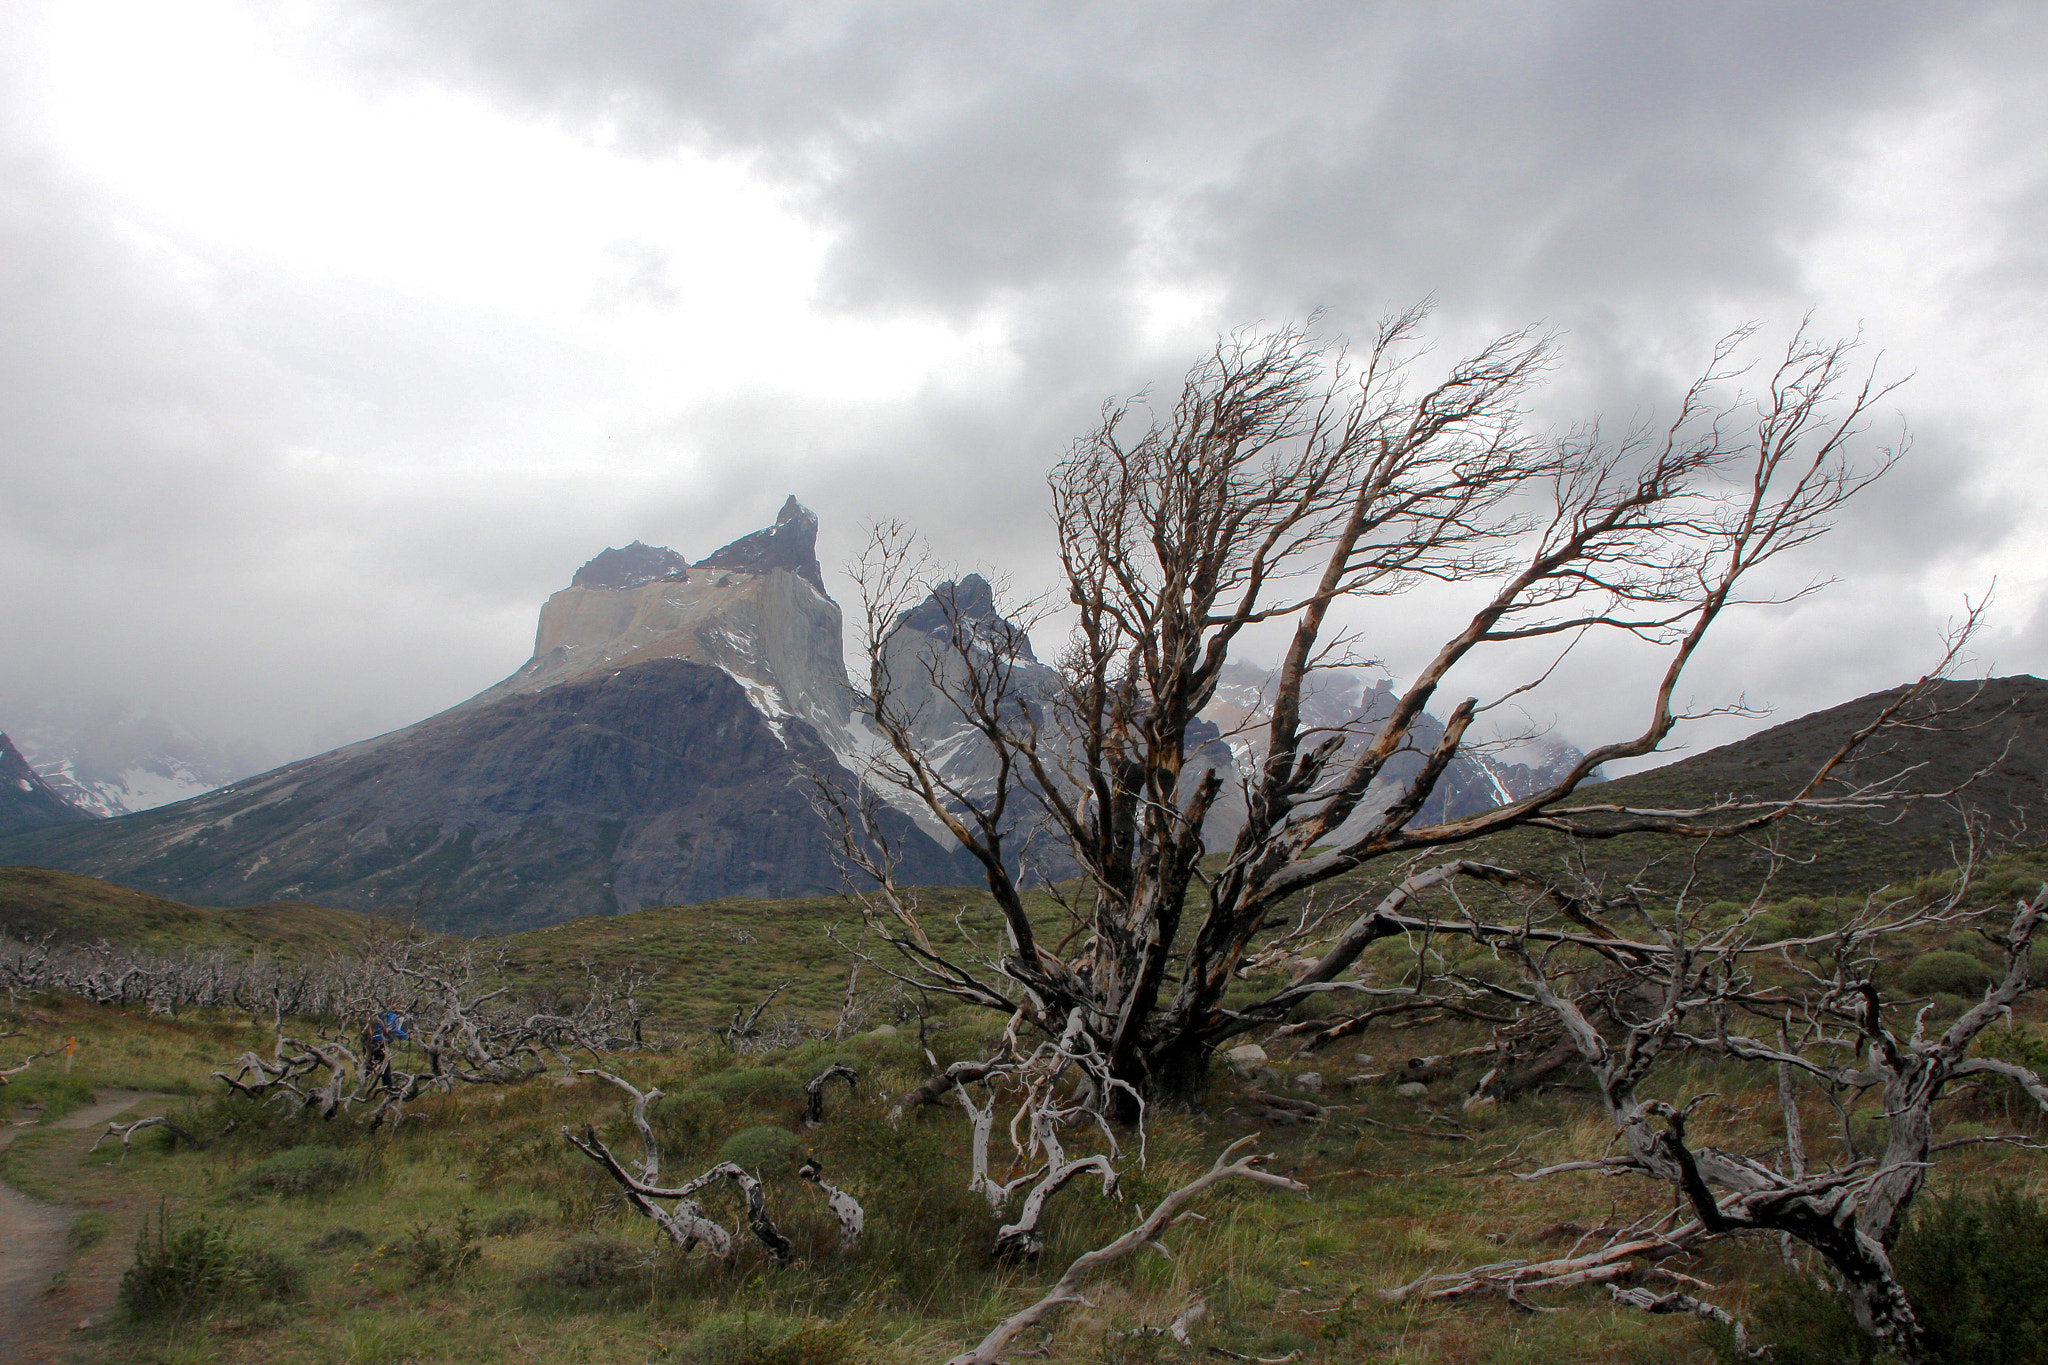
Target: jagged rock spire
967	605
791	543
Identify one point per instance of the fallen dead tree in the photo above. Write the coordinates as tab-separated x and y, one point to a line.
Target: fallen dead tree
178	1133
1067	1289
1802	1007
461	1025
685	1222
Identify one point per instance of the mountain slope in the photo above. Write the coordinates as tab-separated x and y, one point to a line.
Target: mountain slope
1987	742
649	785
109	757
69	907
655	749
26	800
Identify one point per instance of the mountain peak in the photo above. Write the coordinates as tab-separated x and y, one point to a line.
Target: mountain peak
791	543
630	566
968	604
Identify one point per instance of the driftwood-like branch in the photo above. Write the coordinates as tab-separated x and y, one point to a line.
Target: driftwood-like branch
650	1165
853	1219
1067	1289
814	1092
1681	996
779	1248
685	1224
1021	1240
943	1083
129	1130
1613	1261
1679	1302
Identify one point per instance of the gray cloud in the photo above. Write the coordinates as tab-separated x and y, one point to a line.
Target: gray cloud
1639	178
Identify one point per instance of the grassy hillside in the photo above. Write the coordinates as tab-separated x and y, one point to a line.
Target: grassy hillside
476	1234
35	901
1975	748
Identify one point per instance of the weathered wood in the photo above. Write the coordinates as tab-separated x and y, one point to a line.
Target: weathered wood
129	1130
813	1114
1067	1289
853	1219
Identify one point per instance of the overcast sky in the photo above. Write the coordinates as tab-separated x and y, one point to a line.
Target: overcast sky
333	337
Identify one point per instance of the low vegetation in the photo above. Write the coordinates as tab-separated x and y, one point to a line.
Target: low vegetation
475	1230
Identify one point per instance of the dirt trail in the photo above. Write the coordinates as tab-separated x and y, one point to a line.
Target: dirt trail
32	1233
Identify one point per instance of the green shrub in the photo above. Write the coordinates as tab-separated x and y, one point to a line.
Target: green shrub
298	1170
200	1265
511	1223
1975	1270
434	1257
1945	972
764	1150
756	1085
591	1263
760	1340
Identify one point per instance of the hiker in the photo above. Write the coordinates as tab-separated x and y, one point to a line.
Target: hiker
377	1036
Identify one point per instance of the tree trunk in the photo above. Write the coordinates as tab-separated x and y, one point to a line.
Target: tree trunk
1176	1071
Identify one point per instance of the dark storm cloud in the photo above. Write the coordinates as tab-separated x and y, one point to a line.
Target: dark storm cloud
1507	152
1638	177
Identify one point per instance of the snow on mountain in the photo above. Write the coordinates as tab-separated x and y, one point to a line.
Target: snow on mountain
26	800
110	757
1344	702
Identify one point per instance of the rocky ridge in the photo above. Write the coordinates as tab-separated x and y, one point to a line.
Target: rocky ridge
660	746
1347	702
26	800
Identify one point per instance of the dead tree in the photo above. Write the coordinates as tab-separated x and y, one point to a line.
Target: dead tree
853	1219
813	1115
1067	1289
463	1026
1061	1083
685	1222
1698	987
177	1132
1284	483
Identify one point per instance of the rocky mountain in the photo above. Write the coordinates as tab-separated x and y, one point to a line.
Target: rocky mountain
111	757
1346	702
756	610
656	749
26	800
927	679
925	667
